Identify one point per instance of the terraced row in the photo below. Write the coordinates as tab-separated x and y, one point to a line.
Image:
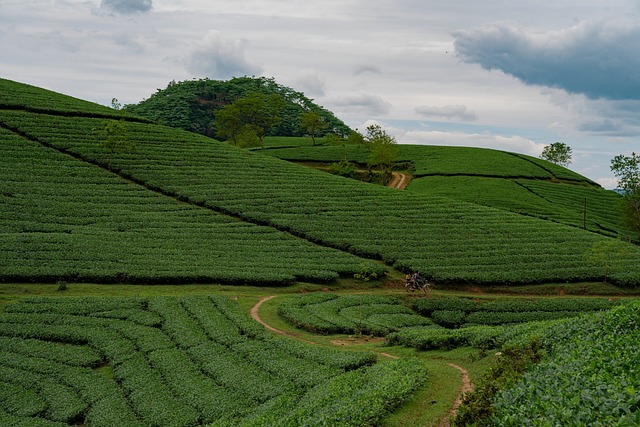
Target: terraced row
63	219
444	239
181	362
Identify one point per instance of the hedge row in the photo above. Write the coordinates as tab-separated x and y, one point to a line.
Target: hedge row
177	361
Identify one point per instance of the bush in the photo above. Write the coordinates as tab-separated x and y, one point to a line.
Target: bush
449	318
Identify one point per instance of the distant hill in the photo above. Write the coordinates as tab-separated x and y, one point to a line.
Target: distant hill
510	181
181	207
190	105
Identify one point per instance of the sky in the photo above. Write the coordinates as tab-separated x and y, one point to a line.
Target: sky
512	75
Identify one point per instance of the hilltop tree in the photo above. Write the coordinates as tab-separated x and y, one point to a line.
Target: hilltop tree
247	120
382	149
312	122
627	170
192	105
558	153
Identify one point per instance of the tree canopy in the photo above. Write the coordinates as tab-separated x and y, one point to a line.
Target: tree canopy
382	148
558	153
627	170
192	105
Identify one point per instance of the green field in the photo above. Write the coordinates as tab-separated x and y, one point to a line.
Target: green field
447	240
119	274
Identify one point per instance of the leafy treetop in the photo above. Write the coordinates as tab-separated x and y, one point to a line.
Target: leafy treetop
192	105
558	153
627	170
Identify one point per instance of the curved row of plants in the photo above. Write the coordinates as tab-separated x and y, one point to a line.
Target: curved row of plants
328	313
445	240
579	370
182	362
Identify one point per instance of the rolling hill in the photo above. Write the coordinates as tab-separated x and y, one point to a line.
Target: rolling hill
179	208
324	225
510	181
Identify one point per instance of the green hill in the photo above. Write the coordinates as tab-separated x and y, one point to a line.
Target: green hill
510	181
191	104
242	217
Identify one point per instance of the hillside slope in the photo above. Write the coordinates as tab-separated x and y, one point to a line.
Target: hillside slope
447	240
510	181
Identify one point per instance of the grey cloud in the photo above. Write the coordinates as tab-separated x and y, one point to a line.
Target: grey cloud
127	6
219	58
367	69
364	104
597	59
448	112
310	83
612	119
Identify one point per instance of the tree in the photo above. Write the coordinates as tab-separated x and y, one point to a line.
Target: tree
312	122
382	149
256	113
627	170
113	136
558	153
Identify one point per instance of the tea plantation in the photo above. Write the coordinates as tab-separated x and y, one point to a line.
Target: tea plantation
447	240
171	225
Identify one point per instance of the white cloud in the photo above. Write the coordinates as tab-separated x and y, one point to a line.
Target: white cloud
448	112
219	58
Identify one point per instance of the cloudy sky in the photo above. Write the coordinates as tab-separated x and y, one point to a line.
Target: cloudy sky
508	74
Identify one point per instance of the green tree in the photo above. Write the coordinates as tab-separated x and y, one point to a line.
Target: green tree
114	137
256	113
115	104
558	153
383	149
627	170
312	122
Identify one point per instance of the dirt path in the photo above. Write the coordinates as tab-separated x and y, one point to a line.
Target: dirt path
467	386
256	316
399	181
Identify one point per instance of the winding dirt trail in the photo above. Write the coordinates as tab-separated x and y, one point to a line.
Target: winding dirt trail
399	181
255	314
466	387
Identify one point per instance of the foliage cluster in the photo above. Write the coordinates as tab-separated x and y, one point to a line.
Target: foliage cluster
627	170
183	362
192	105
326	313
247	120
558	153
589	376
